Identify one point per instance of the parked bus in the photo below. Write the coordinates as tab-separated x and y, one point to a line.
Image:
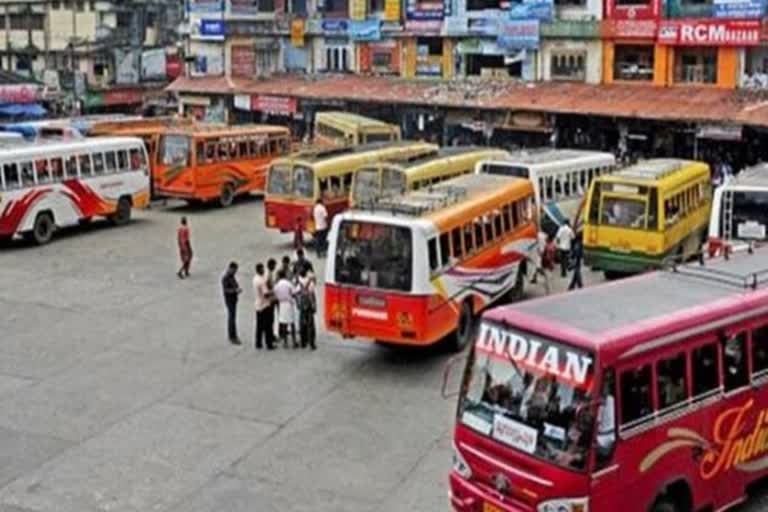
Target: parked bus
346	129
647	215
295	183
418	267
212	162
395	177
649	396
560	177
45	186
740	210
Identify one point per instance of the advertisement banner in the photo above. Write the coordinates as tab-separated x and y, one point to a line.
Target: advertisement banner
542	10
630	29
245	7
207	6
242	61
274	104
709	32
392	10
518	34
357	9
297	33
209	61
21	93
424	11
334	27
738	8
126	67
208	29
369	30
423	26
153	64
243	102
483	26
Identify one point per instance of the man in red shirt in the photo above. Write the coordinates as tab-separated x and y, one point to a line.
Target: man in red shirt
185	249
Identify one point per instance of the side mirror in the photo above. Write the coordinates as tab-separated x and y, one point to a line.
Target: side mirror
447	372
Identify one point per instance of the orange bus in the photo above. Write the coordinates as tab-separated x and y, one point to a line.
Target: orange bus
213	162
418	267
294	184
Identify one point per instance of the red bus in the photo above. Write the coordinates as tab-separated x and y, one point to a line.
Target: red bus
647	394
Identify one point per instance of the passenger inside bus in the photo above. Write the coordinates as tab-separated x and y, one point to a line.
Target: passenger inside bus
27	174
606	419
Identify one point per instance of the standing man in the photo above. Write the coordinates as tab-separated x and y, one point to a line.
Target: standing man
262	305
577	255
185	248
301	263
232	291
271	281
564	240
320	213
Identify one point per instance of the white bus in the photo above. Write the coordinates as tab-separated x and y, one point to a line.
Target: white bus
560	177
740	210
49	185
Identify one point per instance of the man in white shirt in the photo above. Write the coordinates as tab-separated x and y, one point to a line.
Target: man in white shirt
563	240
262	305
320	214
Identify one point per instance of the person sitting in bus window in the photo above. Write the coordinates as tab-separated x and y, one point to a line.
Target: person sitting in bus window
41	166
210	153
56	169
11	175
27	174
735	362
606	420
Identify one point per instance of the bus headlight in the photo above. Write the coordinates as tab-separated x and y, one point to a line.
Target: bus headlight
565	505
460	465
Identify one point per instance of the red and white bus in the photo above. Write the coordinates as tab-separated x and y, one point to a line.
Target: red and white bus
49	185
421	266
644	395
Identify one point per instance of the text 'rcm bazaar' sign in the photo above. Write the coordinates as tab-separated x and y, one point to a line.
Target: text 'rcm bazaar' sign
709	32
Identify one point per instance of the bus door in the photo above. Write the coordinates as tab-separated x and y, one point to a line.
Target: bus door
605	479
335	192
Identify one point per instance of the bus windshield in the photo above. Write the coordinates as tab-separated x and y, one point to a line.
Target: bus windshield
366	185
750	215
502	169
530	393
379	137
624	206
176	150
299	181
374	255
279	180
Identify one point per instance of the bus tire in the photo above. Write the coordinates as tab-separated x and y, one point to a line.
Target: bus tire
43	229
227	195
664	505
122	214
465	329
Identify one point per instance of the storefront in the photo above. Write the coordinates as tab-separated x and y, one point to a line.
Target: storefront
113	101
426	52
332	50
571	51
381	58
706	52
630	52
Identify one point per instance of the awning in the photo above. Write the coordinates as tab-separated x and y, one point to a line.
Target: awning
22	109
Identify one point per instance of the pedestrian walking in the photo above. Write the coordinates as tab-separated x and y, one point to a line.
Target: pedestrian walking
577	256
320	214
284	292
306	303
185	248
564	240
298	235
539	262
263	302
232	291
271	282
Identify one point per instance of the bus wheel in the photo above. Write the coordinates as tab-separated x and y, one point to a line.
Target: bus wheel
227	195
664	505
465	330
42	231
123	213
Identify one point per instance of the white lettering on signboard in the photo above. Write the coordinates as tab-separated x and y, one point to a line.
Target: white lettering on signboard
515	434
557	361
751	230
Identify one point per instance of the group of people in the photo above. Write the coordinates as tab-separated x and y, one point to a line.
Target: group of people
565	247
284	297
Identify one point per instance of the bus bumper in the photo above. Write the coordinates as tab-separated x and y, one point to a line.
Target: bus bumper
620	263
468	497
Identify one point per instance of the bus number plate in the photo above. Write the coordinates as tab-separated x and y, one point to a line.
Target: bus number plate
489	507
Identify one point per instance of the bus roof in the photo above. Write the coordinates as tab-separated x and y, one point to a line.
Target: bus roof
437	155
327	156
350	120
449	198
537	156
140	126
33	150
615	317
219	130
657	169
752	177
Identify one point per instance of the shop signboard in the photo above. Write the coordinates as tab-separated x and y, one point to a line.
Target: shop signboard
209	61
542	10
244	7
709	32
392	10
297	33
208	29
357	9
417	10
738	8
21	93
243	60
424	26
455	26
368	30
126	66
242	102
630	29
206	6
274	104
518	34
153	64
334	27
483	26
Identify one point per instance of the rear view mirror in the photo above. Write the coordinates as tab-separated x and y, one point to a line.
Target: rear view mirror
447	373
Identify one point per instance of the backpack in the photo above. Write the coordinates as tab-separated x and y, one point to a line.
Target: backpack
305	299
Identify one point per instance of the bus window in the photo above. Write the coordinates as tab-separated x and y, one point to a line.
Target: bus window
735	362
445	249
458	251
304	182
548	195
506	218
85	165
138	162
705	373
497	223
635	394
606	420
670	381
567	185
558	188
200	153
11	173
469	244
488	224
176	149
760	350
27	174
583	183
653	209
57	169
479	232
432	250
110	161
515	215
98	163
243	149
71	168
42	170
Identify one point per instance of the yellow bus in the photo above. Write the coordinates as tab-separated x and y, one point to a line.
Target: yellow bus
346	129
649	214
295	183
390	178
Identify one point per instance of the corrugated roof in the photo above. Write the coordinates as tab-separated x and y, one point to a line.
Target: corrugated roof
680	103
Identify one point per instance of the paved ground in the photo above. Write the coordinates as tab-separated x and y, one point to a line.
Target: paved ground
118	391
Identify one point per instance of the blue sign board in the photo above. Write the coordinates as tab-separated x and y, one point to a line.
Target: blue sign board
738	8
483	26
334	26
518	34
531	9
212	28
205	5
368	30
